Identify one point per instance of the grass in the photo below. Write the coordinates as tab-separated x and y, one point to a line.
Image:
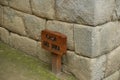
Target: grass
15	65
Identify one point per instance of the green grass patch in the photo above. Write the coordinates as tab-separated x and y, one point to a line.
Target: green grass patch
13	61
16	65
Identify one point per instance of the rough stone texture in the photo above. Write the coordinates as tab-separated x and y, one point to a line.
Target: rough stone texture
84	68
86	42
24	44
4	35
114	76
64	28
90	12
1	15
13	22
75	10
4	2
113	62
22	5
94	41
34	26
103	10
43	54
118	8
43	8
109	36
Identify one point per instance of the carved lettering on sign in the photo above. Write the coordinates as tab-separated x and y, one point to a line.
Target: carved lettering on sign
50	37
55	47
45	43
54	42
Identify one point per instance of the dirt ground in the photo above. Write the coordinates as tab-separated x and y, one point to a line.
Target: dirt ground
15	65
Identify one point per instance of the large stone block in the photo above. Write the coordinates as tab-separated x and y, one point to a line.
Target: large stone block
86	40
4	35
103	11
24	44
109	36
84	68
34	26
23	5
91	12
113	62
64	28
43	54
13	22
1	15
95	41
114	76
43	8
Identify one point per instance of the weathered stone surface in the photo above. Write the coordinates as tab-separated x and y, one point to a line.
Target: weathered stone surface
113	62
103	10
86	40
90	12
34	26
4	35
43	8
75	10
64	28
22	5
4	2
118	8
24	44
114	76
1	15
84	68
94	41
43	54
109	36
13	22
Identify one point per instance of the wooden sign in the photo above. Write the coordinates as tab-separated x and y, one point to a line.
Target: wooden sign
54	42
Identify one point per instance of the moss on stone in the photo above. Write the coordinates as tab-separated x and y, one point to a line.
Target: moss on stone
18	62
15	65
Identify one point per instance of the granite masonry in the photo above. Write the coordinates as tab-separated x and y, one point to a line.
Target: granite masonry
92	28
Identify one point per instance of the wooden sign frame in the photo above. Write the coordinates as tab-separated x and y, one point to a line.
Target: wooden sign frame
54	42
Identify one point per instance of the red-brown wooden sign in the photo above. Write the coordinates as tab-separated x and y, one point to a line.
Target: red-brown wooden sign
54	42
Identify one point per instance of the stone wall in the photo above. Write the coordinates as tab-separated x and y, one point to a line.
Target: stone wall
91	26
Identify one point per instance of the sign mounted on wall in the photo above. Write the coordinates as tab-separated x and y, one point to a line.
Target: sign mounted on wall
56	43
